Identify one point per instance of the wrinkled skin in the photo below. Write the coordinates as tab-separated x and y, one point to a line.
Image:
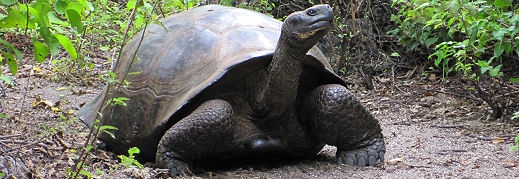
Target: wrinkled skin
274	114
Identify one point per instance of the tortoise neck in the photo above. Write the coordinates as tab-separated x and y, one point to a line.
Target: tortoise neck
278	87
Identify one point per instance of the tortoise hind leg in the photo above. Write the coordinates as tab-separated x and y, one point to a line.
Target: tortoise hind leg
335	117
207	130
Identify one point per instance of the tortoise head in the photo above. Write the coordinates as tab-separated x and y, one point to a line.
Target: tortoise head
303	29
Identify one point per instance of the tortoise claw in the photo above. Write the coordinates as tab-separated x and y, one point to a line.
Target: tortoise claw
364	156
176	167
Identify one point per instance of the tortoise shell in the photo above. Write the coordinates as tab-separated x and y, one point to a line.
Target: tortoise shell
184	62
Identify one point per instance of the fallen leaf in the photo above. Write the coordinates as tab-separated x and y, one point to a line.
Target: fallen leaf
498	140
432	77
510	164
395	160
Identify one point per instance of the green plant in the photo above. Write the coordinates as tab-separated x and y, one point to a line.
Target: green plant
129	161
466	33
84	172
104	129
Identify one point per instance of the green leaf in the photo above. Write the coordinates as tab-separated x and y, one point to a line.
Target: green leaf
75	20
7	80
42	7
61	6
498	50
12	48
40	51
499	33
51	41
440	56
8	2
111	74
105	129
76	6
69	47
508	47
87	174
485	69
473	10
179	4
515	31
120	101
482	63
15	19
55	20
484	66
11	62
131	4
86	4
514	80
133	150
431	41
473	37
494	72
502	3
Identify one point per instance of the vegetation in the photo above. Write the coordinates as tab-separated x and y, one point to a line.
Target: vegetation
130	161
472	38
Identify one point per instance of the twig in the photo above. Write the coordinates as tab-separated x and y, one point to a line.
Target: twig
65	144
405	123
19	147
449	126
482	138
9	136
24	94
513	87
448	151
508	94
14	141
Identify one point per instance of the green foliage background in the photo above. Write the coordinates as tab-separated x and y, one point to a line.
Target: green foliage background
471	37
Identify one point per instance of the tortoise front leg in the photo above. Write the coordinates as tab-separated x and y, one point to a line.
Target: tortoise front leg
206	131
335	117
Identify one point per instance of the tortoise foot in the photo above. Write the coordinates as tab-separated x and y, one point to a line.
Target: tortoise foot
206	131
176	167
366	155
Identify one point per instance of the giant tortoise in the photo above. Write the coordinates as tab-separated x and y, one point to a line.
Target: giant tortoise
220	82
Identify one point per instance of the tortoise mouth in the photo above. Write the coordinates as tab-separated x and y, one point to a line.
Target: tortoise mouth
320	24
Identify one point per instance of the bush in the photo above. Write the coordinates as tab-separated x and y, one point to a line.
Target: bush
467	35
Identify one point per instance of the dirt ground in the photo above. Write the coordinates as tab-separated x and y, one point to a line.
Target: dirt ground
430	132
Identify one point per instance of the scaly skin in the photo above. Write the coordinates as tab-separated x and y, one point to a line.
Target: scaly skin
335	117
208	130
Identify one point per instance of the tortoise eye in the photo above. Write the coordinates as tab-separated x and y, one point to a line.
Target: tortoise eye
311	12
